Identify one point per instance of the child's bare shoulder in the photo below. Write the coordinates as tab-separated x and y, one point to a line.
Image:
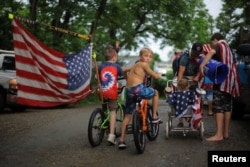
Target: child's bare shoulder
142	64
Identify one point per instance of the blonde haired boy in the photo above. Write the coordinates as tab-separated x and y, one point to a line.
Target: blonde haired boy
135	87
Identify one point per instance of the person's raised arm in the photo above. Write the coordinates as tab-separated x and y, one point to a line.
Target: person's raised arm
206	59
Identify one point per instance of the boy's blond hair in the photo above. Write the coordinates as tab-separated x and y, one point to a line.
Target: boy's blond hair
182	84
145	50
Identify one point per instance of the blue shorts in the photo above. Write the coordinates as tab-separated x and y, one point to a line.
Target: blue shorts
133	93
208	96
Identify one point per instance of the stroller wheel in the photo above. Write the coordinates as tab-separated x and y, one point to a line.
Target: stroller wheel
202	130
167	130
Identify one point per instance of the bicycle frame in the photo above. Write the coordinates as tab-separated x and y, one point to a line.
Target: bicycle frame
99	122
106	112
142	110
142	125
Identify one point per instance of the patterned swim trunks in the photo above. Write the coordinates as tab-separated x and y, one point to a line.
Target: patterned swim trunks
222	102
137	91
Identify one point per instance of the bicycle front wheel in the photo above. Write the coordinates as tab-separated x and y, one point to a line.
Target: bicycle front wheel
139	136
153	128
95	131
119	119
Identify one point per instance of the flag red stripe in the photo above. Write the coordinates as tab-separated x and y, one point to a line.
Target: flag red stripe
30	75
41	57
206	48
43	103
39	103
49	70
19	29
40	91
40	78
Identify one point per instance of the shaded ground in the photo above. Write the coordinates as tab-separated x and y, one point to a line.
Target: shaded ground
58	137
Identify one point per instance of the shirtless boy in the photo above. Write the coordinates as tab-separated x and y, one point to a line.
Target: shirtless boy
135	87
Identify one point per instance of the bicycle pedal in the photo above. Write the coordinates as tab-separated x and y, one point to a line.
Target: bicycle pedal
129	129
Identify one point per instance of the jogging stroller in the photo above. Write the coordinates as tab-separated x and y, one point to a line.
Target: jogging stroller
186	105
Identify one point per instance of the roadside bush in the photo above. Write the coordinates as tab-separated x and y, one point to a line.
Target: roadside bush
162	83
160	86
170	75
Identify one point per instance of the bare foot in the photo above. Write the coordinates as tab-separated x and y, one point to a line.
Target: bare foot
210	114
215	138
226	136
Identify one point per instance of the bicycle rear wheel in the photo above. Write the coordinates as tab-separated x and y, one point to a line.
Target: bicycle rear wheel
139	136
153	128
119	119
95	132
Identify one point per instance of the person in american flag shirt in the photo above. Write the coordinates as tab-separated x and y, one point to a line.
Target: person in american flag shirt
108	74
224	92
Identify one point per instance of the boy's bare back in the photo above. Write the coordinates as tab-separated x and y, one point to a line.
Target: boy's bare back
138	72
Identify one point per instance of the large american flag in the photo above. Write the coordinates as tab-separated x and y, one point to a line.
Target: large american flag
46	77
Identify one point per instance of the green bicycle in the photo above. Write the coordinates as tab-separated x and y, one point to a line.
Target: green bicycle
99	121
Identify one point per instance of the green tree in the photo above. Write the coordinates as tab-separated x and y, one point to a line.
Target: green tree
234	21
178	23
5	27
182	23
